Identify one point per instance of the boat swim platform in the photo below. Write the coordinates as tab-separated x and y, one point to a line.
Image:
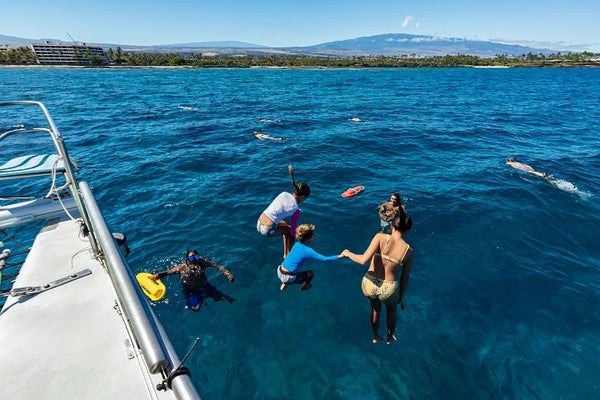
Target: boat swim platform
69	342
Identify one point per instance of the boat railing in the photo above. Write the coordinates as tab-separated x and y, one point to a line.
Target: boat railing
61	151
158	353
135	308
157	350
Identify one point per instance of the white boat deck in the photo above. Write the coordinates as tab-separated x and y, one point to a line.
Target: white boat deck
69	342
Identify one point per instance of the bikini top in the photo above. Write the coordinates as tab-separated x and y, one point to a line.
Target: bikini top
391	259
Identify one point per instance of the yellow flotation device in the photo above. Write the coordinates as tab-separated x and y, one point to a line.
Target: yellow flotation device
155	290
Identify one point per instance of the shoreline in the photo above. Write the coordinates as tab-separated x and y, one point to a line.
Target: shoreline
170	67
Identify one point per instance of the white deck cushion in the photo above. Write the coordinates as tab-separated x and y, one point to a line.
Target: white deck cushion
31	165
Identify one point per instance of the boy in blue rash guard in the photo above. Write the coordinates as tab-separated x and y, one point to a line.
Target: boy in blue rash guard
290	271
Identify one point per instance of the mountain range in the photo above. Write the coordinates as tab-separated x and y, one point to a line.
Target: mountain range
386	44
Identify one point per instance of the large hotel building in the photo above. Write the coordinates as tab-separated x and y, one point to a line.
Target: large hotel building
68	54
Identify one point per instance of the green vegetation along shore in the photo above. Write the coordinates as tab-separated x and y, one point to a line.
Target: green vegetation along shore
25	56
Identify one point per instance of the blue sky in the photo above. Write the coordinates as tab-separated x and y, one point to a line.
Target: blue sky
564	24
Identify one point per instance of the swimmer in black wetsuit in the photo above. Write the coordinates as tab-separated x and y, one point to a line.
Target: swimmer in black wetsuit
196	286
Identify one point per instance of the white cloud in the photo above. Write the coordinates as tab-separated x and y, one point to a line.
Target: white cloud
407	20
421	39
558	46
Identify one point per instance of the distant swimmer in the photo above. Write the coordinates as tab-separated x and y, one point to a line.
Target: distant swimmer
268	121
264	136
557	183
527	168
354	119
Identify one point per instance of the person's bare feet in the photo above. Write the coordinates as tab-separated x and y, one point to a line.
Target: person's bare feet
391	339
282	287
377	338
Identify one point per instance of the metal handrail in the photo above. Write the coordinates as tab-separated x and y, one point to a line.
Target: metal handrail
23	130
137	311
158	352
182	385
58	142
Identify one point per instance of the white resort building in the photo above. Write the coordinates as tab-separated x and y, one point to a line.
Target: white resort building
69	54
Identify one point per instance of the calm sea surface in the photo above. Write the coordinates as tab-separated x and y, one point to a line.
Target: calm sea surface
504	296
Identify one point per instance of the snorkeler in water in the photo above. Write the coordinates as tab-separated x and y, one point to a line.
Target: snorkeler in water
557	183
268	121
194	282
389	210
264	136
527	168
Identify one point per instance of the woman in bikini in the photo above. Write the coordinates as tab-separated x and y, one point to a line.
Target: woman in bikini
390	255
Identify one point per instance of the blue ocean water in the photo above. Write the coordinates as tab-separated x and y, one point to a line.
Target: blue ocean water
503	300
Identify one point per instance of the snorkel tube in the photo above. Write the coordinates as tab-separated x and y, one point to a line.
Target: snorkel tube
300	189
291	172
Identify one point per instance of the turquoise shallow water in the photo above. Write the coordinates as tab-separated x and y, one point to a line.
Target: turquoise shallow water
504	293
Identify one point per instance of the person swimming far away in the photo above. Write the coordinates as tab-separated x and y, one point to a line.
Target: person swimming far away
264	136
527	168
557	183
268	121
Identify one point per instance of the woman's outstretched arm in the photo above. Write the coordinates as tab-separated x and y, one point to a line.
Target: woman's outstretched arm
366	256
